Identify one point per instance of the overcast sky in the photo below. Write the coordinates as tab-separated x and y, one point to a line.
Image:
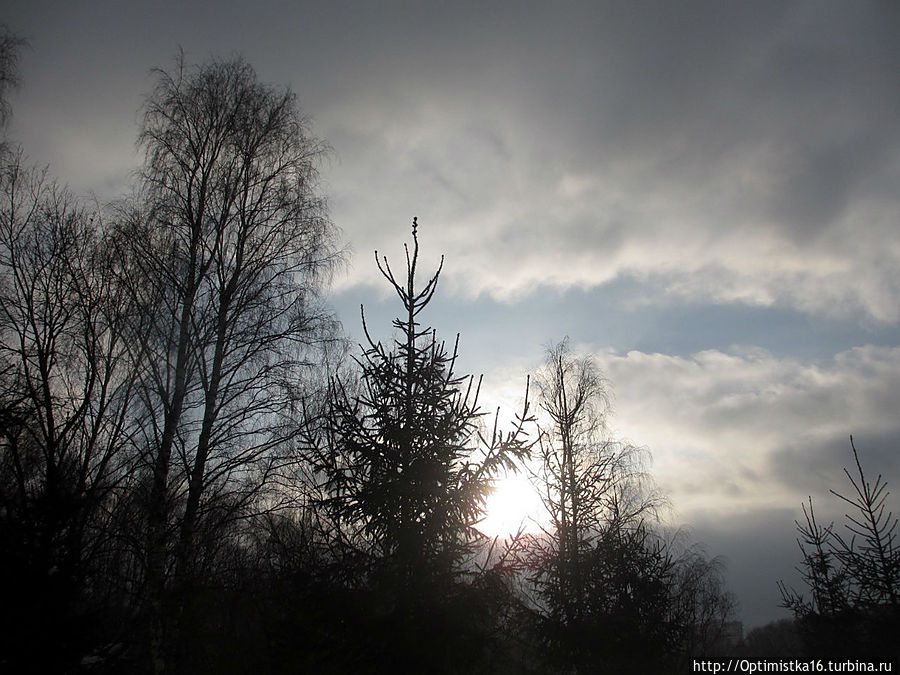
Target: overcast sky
703	194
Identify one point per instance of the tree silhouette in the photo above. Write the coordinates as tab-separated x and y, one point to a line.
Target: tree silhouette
66	391
590	485
405	468
853	576
612	590
223	256
10	45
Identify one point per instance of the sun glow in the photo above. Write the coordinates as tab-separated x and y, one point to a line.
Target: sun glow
513	505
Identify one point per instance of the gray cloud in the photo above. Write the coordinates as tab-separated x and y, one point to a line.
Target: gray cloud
718	153
719	158
739	429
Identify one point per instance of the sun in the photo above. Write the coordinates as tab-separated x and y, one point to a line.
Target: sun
513	505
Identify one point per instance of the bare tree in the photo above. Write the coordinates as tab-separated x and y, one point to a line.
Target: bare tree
590	485
65	399
10	44
224	256
699	607
609	585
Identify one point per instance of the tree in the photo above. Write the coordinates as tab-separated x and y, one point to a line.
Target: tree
774	640
10	44
589	484
612	589
820	570
224	256
853	576
406	470
65	431
874	564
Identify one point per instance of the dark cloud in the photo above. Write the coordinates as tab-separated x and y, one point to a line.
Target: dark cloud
813	464
677	144
705	138
759	549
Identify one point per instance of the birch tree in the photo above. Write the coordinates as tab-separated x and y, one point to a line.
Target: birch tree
225	255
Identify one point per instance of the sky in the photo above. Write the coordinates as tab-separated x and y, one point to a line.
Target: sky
702	195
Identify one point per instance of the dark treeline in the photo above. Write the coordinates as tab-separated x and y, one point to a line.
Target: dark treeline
195	477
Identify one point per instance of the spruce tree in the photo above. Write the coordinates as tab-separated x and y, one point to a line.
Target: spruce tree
406	468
